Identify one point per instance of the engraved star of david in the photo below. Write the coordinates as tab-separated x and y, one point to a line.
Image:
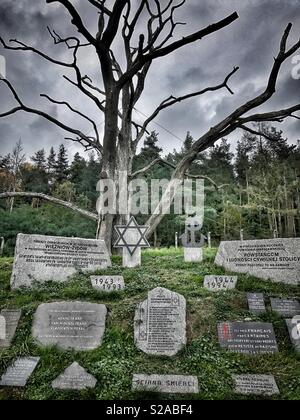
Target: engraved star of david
132	236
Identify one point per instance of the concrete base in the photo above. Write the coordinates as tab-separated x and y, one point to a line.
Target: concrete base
132	261
193	254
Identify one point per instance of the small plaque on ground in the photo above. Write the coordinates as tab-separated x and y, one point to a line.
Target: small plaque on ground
255	385
220	283
108	283
285	307
167	384
74	378
256	303
18	374
247	337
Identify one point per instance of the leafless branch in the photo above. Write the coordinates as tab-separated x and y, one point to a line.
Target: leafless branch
172	100
76	19
170	165
255	132
141	60
53	200
23	47
101	6
88	81
25	108
75	111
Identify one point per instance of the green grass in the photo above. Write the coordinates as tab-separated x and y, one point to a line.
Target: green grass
114	363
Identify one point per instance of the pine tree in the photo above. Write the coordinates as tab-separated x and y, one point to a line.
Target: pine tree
39	160
51	160
243	158
188	143
77	170
150	151
62	165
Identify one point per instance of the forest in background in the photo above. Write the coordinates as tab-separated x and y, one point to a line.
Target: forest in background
260	189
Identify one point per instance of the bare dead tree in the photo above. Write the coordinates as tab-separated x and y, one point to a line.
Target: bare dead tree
123	87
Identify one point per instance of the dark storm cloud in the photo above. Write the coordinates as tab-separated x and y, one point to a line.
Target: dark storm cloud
251	43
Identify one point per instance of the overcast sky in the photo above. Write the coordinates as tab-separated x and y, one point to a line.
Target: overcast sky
251	42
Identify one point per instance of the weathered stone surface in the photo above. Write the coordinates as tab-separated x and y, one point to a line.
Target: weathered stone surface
294	331
220	283
74	378
160	323
132	261
277	260
256	303
108	283
255	385
45	258
167	384
2	328
247	337
285	307
18	374
193	254
11	318
70	325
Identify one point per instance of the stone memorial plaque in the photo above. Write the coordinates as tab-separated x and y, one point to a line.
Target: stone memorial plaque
108	283
247	337
277	260
220	283
160	323
50	258
167	384
70	325
294	331
18	374
255	385
74	378
285	307
256	303
11	318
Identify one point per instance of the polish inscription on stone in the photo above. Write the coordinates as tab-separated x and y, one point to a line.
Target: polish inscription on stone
255	385
277	260
49	258
167	384
256	303
74	378
160	323
18	374
247	337
70	325
285	307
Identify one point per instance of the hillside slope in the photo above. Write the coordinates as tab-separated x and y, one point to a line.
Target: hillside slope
117	359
